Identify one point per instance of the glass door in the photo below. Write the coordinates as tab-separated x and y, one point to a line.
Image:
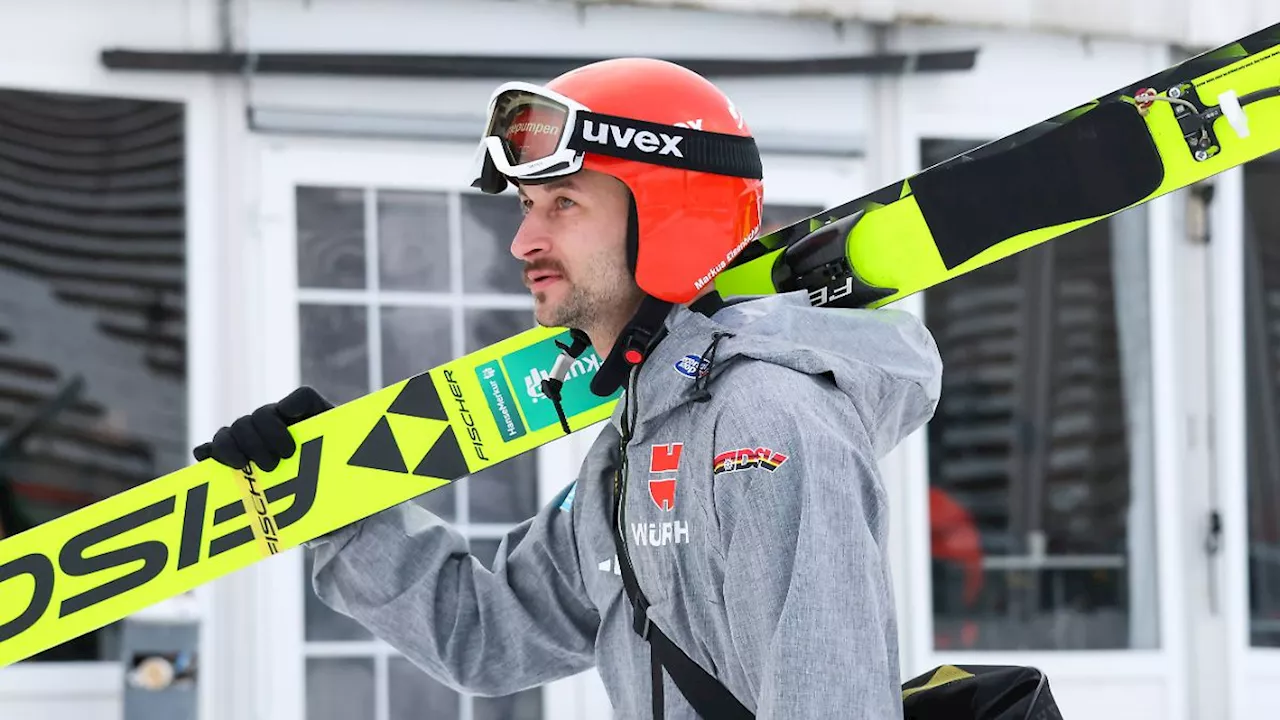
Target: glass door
1036	512
1040	453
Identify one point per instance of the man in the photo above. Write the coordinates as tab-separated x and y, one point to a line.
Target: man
735	492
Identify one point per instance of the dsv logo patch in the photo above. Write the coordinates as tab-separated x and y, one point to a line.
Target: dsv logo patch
644	140
747	458
82	556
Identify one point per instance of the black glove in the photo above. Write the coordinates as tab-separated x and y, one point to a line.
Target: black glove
263	435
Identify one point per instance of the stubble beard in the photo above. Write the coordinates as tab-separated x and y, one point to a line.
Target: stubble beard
609	303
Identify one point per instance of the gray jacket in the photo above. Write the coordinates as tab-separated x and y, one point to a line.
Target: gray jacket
756	522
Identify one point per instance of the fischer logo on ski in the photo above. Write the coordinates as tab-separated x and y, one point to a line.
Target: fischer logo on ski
79	557
269	539
473	432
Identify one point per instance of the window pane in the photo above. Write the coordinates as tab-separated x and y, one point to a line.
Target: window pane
340	688
320	621
414	340
525	705
489	224
1041	499
334	344
414	695
443	501
482	328
330	237
1262	352
413	241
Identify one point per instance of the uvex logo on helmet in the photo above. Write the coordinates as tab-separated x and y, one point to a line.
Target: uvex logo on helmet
644	140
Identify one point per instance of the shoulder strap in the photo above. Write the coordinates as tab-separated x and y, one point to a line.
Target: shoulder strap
708	696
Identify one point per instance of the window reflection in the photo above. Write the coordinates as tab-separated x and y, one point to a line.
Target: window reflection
1262	353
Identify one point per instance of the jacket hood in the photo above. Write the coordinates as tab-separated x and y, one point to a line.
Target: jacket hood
884	360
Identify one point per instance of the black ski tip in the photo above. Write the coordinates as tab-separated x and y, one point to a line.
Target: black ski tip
379	451
418	398
444	460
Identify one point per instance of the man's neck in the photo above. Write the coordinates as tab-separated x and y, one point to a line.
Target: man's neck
605	335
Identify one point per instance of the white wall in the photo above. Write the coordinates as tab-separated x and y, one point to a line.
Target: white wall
775	107
1189	22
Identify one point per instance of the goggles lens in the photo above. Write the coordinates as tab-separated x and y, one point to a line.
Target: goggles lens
530	126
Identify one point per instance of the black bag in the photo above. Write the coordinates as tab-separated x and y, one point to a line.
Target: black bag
979	692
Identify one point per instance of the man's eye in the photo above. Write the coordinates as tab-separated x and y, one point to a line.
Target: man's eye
563	203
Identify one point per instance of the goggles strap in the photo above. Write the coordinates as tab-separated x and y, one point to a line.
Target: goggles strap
668	145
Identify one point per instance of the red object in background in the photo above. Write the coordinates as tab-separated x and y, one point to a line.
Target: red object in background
954	538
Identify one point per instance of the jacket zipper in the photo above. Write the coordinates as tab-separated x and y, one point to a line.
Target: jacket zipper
620	482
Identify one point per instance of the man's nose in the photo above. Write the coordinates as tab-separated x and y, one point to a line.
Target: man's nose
532	238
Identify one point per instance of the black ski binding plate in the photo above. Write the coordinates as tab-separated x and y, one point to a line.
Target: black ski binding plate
819	263
1098	163
1197	127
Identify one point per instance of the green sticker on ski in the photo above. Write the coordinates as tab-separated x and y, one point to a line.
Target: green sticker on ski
528	367
502	402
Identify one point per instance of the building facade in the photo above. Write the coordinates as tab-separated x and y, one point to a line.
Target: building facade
191	225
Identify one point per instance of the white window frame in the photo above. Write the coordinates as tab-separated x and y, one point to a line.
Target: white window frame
1252	670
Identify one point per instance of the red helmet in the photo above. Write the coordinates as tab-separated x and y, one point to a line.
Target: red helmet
669	134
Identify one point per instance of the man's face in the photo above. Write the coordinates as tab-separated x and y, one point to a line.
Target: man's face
573	244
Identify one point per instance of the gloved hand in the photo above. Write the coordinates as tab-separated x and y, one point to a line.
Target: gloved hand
263	435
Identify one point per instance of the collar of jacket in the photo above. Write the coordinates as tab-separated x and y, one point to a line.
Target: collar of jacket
660	386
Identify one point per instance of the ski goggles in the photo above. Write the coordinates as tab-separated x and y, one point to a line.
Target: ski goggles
534	134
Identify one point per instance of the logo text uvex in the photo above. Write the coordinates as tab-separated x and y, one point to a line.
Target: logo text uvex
645	141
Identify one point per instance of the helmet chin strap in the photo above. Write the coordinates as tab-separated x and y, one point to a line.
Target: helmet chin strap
638	337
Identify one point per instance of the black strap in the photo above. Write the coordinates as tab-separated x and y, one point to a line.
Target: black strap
668	145
655	681
708	696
